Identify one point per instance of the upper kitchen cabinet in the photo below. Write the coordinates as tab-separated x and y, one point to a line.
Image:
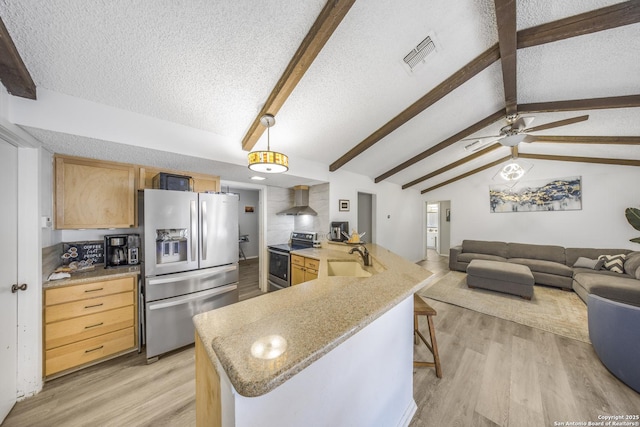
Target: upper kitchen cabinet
94	194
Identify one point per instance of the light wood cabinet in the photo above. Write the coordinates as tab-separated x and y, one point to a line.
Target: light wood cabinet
94	194
303	269
100	194
200	182
88	323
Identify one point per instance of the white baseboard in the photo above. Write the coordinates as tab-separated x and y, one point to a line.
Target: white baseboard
408	414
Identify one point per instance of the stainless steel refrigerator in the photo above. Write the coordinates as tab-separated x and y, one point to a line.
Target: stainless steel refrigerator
190	262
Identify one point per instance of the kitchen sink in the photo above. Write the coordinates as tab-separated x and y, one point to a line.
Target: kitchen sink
346	268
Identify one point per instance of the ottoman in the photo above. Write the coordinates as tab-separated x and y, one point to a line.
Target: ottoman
501	276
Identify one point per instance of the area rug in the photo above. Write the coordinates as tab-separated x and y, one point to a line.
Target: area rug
550	309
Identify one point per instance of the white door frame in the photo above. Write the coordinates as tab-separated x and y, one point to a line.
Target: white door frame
9	277
29	335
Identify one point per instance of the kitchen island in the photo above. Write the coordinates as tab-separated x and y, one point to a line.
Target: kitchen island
332	351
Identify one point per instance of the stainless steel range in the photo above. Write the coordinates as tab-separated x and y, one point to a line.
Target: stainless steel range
279	258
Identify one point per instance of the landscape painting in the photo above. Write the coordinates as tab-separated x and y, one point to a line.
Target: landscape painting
561	194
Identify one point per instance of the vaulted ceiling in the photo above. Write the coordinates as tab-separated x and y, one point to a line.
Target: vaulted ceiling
340	90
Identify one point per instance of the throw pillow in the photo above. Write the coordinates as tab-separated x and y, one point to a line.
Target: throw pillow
614	263
594	264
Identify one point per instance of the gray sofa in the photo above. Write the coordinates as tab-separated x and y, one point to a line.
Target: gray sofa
554	266
613	299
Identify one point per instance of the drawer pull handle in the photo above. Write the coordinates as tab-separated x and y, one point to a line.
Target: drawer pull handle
95	305
93	290
94	326
93	349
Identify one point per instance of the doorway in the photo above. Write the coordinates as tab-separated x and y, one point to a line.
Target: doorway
437	228
8	277
366	216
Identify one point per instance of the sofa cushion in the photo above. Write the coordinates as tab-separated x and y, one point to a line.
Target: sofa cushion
544	266
470	256
632	265
572	254
617	288
542	252
614	263
593	264
485	247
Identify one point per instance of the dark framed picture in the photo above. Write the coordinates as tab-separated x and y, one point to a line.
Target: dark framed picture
248	209
447	214
343	205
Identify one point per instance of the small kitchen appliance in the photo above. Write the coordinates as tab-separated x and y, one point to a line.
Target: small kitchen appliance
121	249
337	229
168	181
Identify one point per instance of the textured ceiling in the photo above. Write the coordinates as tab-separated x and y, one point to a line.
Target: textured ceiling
211	66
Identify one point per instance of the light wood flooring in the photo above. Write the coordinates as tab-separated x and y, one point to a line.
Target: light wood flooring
495	373
248	272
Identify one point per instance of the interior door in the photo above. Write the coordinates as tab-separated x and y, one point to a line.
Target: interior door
8	276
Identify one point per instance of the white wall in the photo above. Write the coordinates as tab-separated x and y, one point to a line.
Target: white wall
397	213
606	191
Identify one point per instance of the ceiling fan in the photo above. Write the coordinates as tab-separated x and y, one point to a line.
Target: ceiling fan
516	131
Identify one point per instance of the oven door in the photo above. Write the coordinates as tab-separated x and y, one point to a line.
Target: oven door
279	269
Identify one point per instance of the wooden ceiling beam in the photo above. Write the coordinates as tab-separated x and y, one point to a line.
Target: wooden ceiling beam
574	139
453	165
321	30
601	19
461	76
627	101
585	23
444	144
598	160
464	175
13	73
507	41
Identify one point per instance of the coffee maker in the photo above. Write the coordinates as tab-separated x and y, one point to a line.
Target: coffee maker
121	249
335	232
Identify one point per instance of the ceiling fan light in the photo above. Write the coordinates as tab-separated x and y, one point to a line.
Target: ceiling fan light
512	172
513	140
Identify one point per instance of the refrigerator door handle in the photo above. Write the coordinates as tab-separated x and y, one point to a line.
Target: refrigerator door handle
194	229
203	225
191	297
198	274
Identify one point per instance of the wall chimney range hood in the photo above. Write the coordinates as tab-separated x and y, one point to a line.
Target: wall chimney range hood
301	202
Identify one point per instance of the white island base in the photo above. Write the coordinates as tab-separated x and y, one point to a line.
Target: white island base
367	380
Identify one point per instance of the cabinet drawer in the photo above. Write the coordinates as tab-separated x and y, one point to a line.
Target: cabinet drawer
88	306
79	353
297	260
89	290
84	327
311	263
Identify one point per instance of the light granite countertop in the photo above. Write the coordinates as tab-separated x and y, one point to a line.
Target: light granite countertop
313	317
98	273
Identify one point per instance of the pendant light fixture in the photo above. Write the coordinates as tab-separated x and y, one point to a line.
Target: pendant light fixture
268	161
515	169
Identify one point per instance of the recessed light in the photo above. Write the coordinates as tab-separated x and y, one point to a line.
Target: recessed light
258	178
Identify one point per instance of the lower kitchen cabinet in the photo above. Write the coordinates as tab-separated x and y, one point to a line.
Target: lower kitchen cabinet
303	269
88	323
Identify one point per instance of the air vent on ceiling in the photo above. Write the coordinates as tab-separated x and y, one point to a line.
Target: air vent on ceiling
418	54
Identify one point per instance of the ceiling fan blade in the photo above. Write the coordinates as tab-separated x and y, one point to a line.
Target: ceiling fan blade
481	138
529	138
558	123
478	147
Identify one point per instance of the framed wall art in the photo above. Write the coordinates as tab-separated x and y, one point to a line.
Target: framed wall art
560	194
343	205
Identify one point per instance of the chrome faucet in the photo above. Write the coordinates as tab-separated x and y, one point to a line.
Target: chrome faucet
364	253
